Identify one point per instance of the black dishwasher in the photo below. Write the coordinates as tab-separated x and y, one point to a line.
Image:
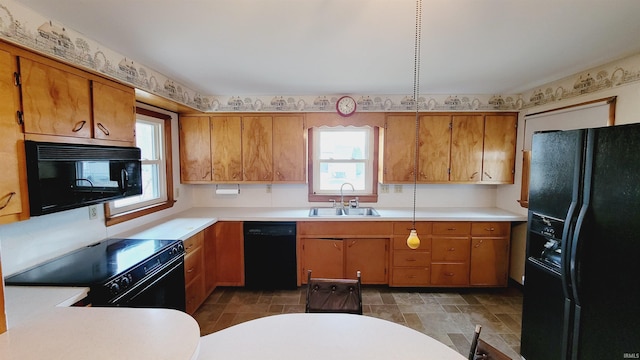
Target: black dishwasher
270	255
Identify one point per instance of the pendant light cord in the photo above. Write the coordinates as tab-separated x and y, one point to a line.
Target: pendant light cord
416	94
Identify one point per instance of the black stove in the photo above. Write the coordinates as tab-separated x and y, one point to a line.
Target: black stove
119	272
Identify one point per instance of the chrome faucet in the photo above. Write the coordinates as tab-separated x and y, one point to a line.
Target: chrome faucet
342	195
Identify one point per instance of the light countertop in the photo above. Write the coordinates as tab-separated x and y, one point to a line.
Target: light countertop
386	214
42	326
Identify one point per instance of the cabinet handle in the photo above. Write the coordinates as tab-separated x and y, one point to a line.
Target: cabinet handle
410	259
451	229
411	276
79	126
8	200
451	249
489	176
103	129
477	245
489	229
449	274
473	175
206	174
353	243
336	246
190	270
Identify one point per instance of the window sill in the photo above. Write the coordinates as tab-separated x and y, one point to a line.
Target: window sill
130	215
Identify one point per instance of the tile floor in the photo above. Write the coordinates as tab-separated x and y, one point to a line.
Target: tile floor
446	315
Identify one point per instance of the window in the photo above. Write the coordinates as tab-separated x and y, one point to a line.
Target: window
153	137
343	155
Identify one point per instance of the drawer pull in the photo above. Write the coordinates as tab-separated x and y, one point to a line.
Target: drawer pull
489	229
449	274
410	259
451	229
451	249
411	276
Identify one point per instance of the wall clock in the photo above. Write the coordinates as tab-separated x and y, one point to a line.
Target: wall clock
346	106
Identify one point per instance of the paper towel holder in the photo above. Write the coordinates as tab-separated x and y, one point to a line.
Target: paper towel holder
227	189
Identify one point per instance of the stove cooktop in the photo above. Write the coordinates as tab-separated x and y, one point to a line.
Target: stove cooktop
93	264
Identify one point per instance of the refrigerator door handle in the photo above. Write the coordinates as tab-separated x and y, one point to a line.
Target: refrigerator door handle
567	232
580	221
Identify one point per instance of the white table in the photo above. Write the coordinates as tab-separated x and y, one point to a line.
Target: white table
322	336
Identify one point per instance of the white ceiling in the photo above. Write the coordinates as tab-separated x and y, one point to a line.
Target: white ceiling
322	47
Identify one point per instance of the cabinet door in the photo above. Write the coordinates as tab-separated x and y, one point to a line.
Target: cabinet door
195	149
370	257
229	253
55	102
113	112
289	155
324	257
498	163
435	148
489	261
466	148
257	148
11	147
226	148
399	149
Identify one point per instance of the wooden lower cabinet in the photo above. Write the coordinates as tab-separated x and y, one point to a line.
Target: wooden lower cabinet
229	253
340	249
490	254
410	267
194	277
450	256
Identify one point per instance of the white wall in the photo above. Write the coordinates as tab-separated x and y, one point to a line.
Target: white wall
295	195
40	238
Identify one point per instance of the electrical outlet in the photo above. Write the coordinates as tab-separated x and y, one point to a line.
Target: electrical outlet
176	193
384	188
268	188
93	212
397	188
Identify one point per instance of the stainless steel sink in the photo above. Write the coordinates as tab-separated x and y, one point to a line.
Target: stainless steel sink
327	211
321	211
364	211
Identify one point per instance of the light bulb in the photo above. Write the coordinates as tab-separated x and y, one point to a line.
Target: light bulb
413	241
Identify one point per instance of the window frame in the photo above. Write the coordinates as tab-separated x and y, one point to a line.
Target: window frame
370	198
112	219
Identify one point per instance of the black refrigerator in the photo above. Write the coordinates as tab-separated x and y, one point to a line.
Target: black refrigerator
582	273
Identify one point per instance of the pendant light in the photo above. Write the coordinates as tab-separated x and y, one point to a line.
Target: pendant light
413	241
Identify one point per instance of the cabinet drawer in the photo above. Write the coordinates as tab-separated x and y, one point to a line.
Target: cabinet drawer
400	242
490	228
410	277
451	228
195	294
193	242
451	249
193	265
450	274
403	227
411	258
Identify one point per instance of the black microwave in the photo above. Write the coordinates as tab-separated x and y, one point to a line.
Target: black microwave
67	176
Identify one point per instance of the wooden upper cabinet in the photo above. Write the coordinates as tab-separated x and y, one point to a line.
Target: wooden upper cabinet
195	149
257	148
226	148
113	112
55	101
13	193
399	149
435	148
467	138
59	100
498	163
289	150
